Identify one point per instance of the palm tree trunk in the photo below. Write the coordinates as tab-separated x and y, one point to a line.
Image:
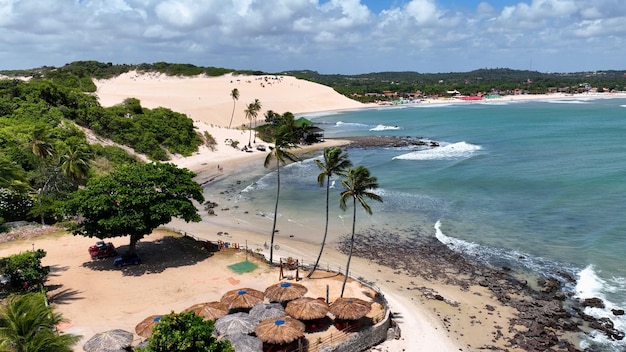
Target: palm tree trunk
232	115
275	210
319	256
345	278
250	136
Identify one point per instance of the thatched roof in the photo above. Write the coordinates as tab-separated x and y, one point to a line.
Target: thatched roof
350	308
242	298
279	331
285	291
307	308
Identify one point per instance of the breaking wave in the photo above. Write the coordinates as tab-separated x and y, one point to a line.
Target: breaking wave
458	150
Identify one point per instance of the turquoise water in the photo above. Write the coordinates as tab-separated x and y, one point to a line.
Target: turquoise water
542	181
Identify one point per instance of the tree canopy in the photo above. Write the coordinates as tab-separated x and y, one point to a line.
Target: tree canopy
134	200
27	323
186	332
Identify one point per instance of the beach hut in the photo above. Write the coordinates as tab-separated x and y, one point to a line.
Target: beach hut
350	308
262	311
245	343
144	328
111	340
279	331
284	292
209	310
242	298
236	323
307	308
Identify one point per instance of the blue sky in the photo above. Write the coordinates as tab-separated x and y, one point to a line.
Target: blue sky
329	36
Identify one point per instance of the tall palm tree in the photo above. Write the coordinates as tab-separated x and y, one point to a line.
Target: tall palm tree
235	95
27	324
357	186
250	113
283	141
335	163
257	108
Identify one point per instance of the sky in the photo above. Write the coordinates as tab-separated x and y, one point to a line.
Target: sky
328	36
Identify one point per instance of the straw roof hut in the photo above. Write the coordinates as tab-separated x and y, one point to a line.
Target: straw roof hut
285	291
307	308
144	328
279	331
350	308
242	298
245	343
236	323
209	310
262	311
111	340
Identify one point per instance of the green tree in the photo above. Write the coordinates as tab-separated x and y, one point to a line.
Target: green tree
335	163
185	332
357	186
283	141
134	200
249	111
256	105
12	176
24	271
74	159
40	142
28	324
235	95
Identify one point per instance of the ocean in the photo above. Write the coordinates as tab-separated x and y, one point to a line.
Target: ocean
533	185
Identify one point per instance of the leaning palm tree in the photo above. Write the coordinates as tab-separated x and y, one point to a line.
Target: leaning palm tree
257	107
357	184
235	95
335	163
28	324
283	141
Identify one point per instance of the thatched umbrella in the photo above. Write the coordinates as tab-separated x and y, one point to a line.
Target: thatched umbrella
285	291
144	328
262	311
279	331
350	308
111	340
307	308
209	310
236	323
242	298
245	343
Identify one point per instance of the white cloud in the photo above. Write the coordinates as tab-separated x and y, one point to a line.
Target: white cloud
328	35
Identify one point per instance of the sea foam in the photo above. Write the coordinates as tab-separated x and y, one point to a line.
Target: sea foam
384	128
458	150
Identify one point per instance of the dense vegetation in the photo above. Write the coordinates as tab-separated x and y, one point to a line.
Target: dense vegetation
185	332
499	80
44	152
79	74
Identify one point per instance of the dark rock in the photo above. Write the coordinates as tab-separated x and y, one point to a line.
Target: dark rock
617	311
593	302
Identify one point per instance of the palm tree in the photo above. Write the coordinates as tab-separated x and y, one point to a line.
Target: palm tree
250	113
27	324
257	107
357	184
335	163
74	160
40	142
235	95
283	140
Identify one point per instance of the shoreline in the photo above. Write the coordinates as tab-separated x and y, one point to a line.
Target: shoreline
458	322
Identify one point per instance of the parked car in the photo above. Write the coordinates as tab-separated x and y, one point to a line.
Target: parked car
102	250
127	259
